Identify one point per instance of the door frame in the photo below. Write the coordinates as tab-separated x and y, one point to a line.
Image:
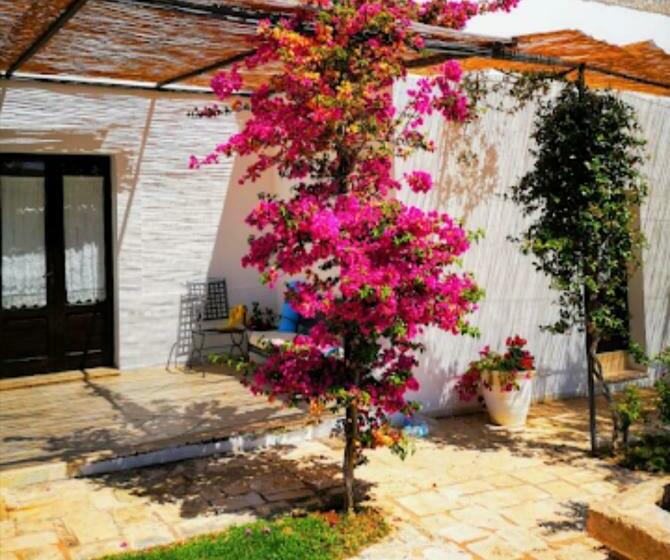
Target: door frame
55	258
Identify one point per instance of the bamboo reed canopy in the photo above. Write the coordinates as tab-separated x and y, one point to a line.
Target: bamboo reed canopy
178	45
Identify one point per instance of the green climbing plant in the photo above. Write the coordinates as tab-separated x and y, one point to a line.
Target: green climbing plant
582	197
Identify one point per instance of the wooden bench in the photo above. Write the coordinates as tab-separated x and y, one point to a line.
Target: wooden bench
619	367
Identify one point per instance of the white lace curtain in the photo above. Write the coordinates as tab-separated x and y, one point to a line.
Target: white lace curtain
23	248
84	239
23	241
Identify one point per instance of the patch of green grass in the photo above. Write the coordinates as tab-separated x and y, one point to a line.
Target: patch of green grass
319	536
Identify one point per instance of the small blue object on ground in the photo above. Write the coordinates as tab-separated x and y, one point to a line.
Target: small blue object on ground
415	427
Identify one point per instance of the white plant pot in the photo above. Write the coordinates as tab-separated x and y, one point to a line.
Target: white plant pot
508	408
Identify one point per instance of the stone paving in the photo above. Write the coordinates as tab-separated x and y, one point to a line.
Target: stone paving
469	492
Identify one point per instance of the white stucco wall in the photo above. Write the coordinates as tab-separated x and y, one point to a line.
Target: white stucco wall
171	225
518	299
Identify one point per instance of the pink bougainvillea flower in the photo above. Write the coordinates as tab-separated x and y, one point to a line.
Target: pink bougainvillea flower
419	181
373	272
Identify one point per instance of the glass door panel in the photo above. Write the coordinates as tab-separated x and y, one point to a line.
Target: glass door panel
84	229
23	242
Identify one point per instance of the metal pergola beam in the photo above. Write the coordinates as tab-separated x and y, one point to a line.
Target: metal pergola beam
109	84
227	12
203	69
43	39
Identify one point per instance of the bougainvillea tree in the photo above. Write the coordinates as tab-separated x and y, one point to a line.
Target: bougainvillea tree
372	272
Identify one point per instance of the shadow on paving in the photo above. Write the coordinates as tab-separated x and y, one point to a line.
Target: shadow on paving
557	432
267	481
132	425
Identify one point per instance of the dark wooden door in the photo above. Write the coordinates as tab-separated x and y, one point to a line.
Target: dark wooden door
56	273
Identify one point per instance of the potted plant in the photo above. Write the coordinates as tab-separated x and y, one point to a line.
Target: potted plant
261	319
503	381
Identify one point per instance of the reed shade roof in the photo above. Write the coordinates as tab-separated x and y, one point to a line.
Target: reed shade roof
180	44
641	67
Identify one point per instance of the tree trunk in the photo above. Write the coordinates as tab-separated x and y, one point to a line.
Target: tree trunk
591	346
351	437
595	372
350	457
614	414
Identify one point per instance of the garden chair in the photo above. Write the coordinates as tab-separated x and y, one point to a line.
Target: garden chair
213	317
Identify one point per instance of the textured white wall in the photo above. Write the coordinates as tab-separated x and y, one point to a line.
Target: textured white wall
171	225
518	299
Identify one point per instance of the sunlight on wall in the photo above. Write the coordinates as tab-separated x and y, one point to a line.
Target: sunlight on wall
474	166
172	225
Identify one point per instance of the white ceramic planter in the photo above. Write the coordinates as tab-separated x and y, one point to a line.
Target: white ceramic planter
508	408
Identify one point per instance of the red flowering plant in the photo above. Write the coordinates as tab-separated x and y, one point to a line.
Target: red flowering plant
516	363
374	272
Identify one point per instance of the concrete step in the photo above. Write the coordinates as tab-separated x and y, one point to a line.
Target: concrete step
254	438
59	377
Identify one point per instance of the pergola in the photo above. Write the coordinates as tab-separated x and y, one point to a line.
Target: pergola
178	45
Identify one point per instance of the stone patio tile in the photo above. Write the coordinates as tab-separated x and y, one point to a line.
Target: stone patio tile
7	529
448	528
503	481
396	488
534	475
131	515
50	552
495	548
129	497
481	517
56	508
474	486
497	499
600	488
144	535
528	514
213	523
235	503
290	495
167	513
582	552
65	536
105	498
272	483
523	540
426	503
30	540
236	488
562	490
528	493
16	478
545	555
559	536
583	475
91	526
98	549
445	552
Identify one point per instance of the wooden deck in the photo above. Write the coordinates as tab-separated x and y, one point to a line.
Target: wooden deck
137	411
